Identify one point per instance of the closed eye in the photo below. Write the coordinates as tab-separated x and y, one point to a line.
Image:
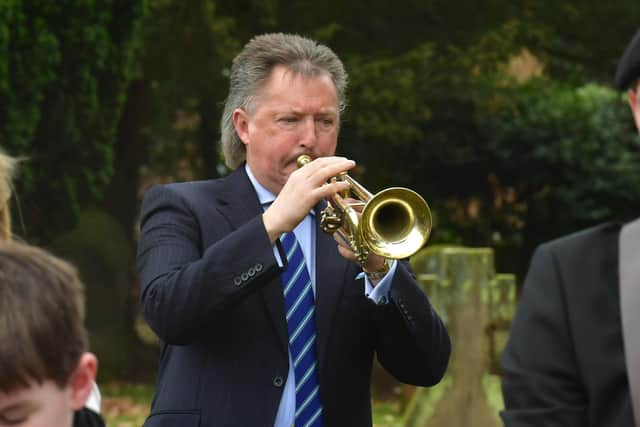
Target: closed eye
11	420
326	123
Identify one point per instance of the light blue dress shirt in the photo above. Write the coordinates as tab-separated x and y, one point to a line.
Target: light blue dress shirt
306	234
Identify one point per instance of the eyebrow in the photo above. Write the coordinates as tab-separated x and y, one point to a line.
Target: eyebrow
279	108
324	113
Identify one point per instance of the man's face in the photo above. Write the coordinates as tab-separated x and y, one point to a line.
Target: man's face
39	405
634	103
293	115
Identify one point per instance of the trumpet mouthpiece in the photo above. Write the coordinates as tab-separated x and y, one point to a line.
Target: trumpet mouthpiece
303	160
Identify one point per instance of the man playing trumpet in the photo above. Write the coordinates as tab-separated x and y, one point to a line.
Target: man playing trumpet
262	321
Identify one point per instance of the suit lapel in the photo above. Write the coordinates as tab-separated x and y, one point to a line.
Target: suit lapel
330	271
238	200
629	271
239	204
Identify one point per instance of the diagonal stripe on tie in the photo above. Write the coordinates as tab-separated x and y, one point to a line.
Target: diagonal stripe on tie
313	418
310	343
301	325
294	336
304	377
293	279
303	297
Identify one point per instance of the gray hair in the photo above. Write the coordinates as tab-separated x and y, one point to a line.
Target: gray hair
252	68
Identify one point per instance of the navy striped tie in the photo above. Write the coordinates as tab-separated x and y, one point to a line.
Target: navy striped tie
301	323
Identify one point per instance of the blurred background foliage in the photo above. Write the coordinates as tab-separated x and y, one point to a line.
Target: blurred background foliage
499	113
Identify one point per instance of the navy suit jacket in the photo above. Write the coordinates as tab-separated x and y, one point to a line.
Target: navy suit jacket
211	291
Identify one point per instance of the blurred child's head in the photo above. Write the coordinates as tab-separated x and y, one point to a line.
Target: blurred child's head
7	166
46	372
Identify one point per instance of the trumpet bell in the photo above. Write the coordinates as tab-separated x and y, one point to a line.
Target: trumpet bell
395	223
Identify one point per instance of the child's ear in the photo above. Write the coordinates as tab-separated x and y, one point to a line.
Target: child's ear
634	103
82	379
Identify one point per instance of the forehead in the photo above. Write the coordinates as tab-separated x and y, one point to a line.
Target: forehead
287	86
44	405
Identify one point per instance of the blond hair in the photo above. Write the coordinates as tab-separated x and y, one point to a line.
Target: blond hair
7	169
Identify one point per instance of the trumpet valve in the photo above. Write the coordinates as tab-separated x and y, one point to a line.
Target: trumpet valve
330	221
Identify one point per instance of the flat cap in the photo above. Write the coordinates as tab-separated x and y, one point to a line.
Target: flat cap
629	66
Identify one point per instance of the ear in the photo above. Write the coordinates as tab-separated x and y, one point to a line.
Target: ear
82	380
631	96
240	120
633	103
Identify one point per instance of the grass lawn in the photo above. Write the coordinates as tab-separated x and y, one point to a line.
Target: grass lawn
124	404
127	405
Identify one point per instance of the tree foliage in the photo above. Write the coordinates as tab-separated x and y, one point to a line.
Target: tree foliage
431	106
496	159
568	154
188	47
92	93
579	40
64	67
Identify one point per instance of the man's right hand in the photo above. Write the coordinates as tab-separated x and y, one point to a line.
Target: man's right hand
302	191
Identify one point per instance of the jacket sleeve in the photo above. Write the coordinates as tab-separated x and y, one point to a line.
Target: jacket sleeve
413	343
185	284
87	418
541	383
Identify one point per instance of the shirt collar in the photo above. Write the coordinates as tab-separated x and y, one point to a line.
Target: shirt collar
265	196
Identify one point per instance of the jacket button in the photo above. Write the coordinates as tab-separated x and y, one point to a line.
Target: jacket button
278	381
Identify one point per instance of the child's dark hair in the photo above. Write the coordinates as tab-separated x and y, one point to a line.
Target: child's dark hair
41	317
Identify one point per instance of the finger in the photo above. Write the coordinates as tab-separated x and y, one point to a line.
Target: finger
347	253
321	162
341	240
322	169
331	188
374	262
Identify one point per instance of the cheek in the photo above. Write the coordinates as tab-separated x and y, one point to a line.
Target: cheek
327	146
51	415
282	145
58	408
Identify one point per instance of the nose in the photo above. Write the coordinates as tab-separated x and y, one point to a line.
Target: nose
308	134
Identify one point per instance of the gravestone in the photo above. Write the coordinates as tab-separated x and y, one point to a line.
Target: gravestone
477	306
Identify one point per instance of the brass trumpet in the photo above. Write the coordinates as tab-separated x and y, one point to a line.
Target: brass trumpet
394	223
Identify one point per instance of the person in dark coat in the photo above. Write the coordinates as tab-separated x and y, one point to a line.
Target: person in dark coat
564	363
